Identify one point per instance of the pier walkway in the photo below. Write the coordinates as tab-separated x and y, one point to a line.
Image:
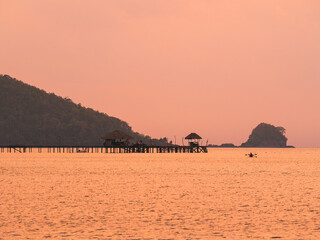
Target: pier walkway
102	149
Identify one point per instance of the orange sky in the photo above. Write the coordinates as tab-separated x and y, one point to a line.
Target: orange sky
169	67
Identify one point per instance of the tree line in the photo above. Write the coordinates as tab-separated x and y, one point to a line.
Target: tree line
30	116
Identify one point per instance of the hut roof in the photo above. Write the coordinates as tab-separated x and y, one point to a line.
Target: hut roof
193	136
117	134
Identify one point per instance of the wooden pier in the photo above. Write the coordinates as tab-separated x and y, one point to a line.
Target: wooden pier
102	149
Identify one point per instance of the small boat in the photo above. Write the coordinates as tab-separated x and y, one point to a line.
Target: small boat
251	155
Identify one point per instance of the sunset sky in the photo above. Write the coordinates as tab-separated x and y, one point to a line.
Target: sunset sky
171	67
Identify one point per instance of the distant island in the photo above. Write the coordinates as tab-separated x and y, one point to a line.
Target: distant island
267	135
263	136
33	117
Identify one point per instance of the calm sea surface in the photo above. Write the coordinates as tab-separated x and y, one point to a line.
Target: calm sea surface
219	195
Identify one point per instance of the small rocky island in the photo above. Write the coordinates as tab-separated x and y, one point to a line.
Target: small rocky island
266	135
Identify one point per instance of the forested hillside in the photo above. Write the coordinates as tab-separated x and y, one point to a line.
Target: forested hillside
30	116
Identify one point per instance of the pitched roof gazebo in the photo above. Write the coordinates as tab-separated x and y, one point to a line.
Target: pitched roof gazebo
193	139
116	138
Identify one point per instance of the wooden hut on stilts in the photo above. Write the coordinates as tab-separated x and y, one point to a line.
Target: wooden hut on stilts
116	138
193	139
194	143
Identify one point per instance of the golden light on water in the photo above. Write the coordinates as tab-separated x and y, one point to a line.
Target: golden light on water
222	194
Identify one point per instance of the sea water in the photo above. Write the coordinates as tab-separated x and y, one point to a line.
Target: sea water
220	195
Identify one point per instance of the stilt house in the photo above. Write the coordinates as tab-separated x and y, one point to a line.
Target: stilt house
193	139
116	138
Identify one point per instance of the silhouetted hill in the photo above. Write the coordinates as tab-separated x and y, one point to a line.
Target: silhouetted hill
30	116
267	135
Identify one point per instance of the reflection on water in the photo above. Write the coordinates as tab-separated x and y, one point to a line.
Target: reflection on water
222	194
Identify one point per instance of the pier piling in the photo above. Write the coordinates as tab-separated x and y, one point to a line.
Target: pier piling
100	149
